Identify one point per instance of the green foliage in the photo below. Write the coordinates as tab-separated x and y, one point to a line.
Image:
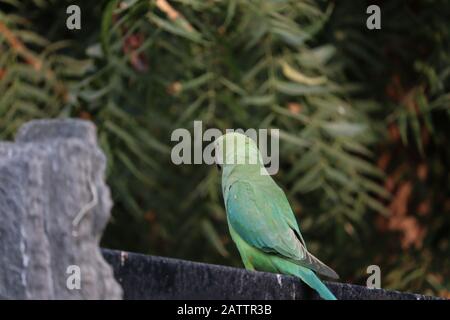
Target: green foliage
406	68
140	69
31	73
238	70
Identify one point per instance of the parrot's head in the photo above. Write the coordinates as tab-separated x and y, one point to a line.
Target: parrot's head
236	149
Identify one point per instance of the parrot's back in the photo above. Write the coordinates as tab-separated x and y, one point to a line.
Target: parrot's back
265	230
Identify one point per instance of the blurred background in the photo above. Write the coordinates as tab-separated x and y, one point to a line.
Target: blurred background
364	118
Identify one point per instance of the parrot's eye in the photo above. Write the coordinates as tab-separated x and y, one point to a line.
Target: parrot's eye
219	167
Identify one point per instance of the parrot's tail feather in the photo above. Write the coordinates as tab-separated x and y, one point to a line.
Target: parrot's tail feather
318	266
307	276
310	278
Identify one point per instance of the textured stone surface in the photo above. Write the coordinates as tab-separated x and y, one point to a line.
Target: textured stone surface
53	173
150	277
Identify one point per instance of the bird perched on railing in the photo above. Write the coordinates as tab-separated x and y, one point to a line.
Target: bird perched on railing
260	219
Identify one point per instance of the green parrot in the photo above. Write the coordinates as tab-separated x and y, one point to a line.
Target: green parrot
260	219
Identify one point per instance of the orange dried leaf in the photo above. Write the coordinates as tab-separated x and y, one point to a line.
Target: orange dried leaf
174	88
85	115
294	108
422	171
383	161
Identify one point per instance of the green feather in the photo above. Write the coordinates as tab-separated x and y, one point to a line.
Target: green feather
261	221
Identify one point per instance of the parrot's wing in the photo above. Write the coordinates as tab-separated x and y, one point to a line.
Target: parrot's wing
281	205
258	221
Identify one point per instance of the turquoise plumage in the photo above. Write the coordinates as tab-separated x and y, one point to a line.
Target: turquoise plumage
260	219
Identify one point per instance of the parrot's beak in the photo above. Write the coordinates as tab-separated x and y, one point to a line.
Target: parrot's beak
218	158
